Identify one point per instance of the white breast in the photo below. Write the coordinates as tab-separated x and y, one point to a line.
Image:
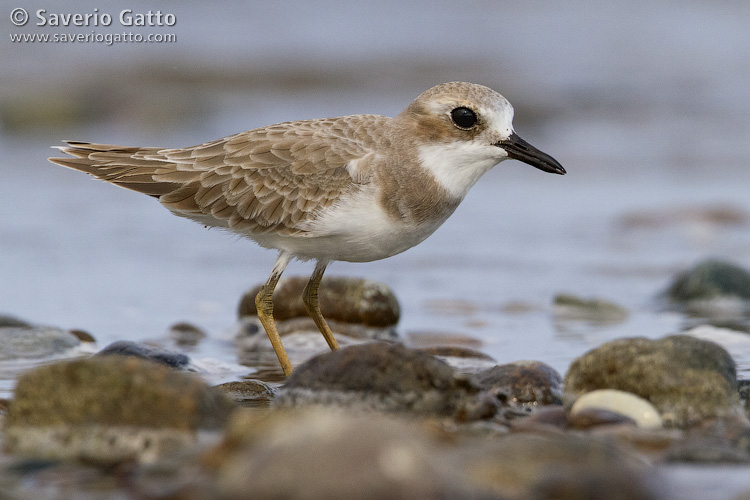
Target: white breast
354	229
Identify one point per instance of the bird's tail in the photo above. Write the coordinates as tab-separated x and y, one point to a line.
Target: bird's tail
130	168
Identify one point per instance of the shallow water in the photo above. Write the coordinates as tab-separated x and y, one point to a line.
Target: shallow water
646	125
646	104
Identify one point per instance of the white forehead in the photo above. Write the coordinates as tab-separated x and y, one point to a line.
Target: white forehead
499	116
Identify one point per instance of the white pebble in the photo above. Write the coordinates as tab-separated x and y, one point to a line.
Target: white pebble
623	403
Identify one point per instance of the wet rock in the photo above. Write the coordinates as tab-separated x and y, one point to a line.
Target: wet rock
714	292
186	334
134	349
737	343
710	279
355	309
523	383
323	453
384	377
688	380
571	308
624	404
108	409
349	300
253	393
35	342
559	466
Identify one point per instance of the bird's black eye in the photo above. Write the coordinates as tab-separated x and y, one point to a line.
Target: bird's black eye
464	117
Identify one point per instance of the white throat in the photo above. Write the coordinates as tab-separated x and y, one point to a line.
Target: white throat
458	166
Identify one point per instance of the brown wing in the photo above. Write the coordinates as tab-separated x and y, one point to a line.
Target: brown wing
269	179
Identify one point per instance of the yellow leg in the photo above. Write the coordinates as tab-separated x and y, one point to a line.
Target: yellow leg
264	305
310	299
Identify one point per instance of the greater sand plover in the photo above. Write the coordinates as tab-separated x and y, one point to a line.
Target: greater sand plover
355	188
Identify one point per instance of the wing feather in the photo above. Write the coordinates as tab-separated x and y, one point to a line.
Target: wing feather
273	178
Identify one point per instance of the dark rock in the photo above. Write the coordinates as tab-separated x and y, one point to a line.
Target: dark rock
688	380
384	377
321	454
714	292
710	279
571	308
349	300
186	334
107	409
35	342
134	349
523	383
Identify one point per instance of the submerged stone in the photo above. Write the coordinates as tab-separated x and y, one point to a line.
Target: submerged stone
571	308
186	334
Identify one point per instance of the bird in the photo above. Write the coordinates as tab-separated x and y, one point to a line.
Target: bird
355	188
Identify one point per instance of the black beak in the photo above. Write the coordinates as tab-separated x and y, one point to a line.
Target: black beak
518	149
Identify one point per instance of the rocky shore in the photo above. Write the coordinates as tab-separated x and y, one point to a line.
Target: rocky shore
382	417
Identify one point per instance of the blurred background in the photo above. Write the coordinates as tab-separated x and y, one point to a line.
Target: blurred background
646	103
